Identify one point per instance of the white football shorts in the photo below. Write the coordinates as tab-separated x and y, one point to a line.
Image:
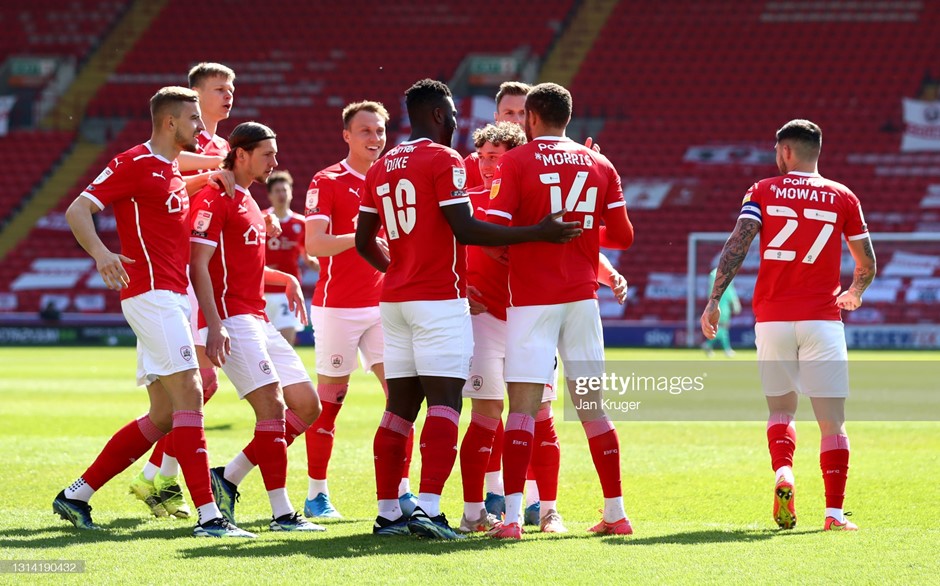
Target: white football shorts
427	338
535	332
340	332
260	355
487	369
278	311
165	346
808	357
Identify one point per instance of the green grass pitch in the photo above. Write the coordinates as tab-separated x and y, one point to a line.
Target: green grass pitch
698	493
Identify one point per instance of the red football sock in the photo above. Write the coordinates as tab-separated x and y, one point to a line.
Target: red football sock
475	455
438	448
388	449
546	455
409	452
496	456
834	463
270	448
781	440
295	427
320	440
517	451
189	439
159	448
605	451
130	442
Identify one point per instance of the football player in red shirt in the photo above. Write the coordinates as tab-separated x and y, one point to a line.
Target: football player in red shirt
284	253
797	307
151	208
229	275
510	106
345	307
157	485
552	292
417	192
481	449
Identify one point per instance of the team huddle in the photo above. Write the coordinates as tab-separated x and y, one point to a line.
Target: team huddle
451	278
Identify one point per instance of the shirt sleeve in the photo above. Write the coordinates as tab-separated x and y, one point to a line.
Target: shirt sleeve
614	196
450	179
504	194
750	206
207	215
855	227
115	182
369	202
319	201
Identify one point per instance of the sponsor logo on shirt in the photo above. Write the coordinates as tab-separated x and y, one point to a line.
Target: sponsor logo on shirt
494	190
202	222
252	234
104	174
155	174
313	199
460	177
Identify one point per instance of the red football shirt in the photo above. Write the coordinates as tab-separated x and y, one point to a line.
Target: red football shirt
407	188
801	216
235	226
545	175
283	253
346	279
484	272
472	163
151	209
211	145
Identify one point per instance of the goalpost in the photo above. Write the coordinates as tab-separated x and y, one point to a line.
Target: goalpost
908	267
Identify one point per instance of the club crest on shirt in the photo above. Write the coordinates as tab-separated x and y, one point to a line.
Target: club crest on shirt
494	190
313	199
202	221
460	177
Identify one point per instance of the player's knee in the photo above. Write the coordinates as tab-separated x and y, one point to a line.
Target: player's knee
306	406
162	418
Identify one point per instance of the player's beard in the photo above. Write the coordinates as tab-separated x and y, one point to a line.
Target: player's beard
187	144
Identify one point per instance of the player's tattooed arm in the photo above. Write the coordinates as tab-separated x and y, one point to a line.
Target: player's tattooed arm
733	255
865	269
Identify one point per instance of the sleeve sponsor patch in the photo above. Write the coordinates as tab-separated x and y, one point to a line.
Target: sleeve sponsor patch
494	190
202	221
460	177
102	176
313	200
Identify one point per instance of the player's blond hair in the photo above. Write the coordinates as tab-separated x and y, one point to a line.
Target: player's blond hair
203	71
511	88
508	134
169	100
365	106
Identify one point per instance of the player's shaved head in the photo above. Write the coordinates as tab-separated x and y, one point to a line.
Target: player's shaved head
511	88
351	110
203	71
168	101
804	136
246	136
551	102
424	96
506	134
278	177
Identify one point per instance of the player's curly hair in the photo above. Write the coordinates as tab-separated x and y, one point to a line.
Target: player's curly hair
551	102
803	132
365	106
509	134
203	71
246	136
425	95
